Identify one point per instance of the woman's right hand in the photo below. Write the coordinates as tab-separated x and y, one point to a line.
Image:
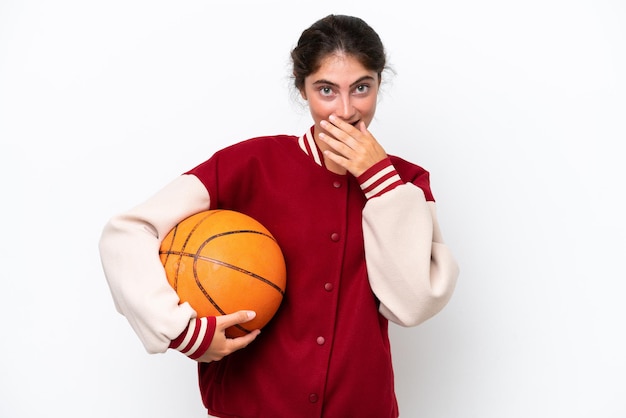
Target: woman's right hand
221	345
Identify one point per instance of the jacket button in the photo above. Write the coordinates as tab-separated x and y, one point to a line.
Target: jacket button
334	236
336	184
321	340
328	287
313	398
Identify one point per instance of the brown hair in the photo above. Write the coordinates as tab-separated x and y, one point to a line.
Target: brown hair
337	34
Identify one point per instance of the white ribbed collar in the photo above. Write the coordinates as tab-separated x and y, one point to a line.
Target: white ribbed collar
310	148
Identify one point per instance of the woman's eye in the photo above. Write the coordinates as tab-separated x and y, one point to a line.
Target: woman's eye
362	88
326	91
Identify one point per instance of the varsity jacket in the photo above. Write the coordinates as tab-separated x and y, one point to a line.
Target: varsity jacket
359	252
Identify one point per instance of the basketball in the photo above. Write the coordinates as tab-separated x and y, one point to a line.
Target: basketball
223	261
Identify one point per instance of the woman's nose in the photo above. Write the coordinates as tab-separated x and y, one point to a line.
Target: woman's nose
345	109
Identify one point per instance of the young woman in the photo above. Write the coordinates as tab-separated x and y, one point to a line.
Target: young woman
357	227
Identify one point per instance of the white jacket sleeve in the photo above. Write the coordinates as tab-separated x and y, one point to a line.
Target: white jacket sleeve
411	271
129	251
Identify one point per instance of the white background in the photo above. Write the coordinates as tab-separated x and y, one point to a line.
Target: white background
517	108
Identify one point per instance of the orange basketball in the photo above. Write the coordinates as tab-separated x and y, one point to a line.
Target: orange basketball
222	261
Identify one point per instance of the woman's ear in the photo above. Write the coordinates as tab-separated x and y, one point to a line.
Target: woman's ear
303	94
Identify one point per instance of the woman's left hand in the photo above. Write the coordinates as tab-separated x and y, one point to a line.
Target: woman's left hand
355	148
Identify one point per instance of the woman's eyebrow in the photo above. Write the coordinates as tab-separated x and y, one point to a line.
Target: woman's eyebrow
330	83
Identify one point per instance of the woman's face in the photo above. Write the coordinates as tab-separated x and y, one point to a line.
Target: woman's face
341	86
